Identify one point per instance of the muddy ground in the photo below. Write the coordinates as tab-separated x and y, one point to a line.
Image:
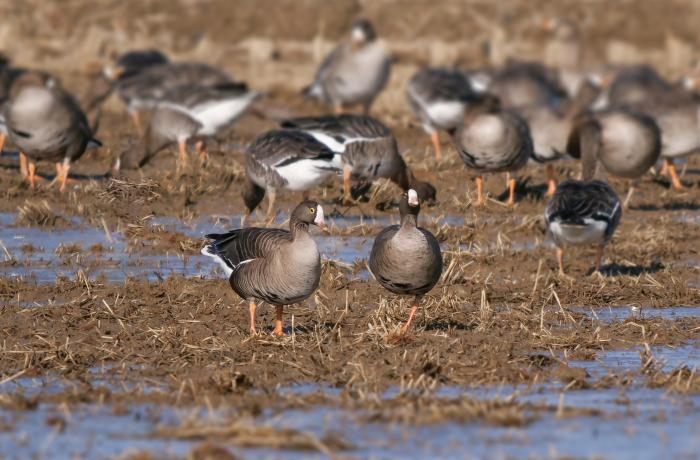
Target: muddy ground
178	340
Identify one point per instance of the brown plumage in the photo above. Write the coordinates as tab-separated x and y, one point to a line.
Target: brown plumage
276	266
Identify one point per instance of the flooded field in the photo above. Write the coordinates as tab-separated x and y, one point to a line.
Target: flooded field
120	340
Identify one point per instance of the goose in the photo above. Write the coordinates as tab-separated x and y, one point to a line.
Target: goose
438	98
200	112
276	266
564	52
366	148
133	62
406	259
491	139
524	83
625	141
636	84
583	212
46	123
285	159
550	128
354	72
145	88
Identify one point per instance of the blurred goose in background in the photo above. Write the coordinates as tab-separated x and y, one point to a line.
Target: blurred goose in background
491	139
198	112
564	52
584	212
285	159
354	72
522	83
276	266
46	123
439	98
366	148
405	258
626	142
145	86
635	85
133	62
550	127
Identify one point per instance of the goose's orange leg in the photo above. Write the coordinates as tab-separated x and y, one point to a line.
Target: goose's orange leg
560	260
414	308
182	149
480	201
23	165
435	137
511	191
347	198
279	325
3	137
201	148
551	181
675	180
251	310
136	119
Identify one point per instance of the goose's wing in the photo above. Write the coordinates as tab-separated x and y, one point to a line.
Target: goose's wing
244	245
282	147
430	85
336	131
577	202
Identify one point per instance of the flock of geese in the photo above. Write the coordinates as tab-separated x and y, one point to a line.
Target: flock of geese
617	120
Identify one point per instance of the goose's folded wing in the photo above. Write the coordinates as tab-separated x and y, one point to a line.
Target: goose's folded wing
432	85
336	131
282	147
242	245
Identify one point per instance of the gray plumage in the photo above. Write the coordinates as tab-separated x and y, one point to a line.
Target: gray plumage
277	266
492	139
439	97
405	258
354	72
521	84
365	145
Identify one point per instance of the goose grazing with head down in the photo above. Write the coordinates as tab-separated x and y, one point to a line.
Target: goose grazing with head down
439	98
491	139
405	258
626	142
285	159
276	266
584	212
354	72
196	112
46	123
366	148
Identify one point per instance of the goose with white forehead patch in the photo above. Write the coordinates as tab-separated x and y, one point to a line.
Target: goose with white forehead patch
367	149
276	266
406	259
285	160
584	212
354	72
439	98
491	139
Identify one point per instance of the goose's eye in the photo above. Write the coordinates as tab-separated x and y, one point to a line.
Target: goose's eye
312	210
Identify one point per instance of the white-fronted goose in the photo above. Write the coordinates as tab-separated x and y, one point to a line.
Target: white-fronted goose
285	159
200	112
354	72
523	83
276	266
46	123
405	258
439	98
493	140
626	142
635	85
550	128
584	212
367	149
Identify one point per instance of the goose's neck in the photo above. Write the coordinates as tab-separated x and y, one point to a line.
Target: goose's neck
408	221
298	228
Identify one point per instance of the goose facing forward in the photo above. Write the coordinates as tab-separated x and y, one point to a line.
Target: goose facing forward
354	72
493	140
276	266
367	150
285	160
439	98
405	258
584	212
46	123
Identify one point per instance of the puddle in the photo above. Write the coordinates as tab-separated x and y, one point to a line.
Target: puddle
610	314
44	254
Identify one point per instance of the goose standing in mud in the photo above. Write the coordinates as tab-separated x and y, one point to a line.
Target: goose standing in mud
626	142
285	160
406	259
354	72
194	112
276	266
367	150
439	99
46	123
583	212
491	139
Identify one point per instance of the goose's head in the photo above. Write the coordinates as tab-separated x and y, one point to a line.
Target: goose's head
409	204
310	213
362	32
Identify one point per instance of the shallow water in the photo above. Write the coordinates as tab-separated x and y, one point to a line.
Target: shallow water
621	313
